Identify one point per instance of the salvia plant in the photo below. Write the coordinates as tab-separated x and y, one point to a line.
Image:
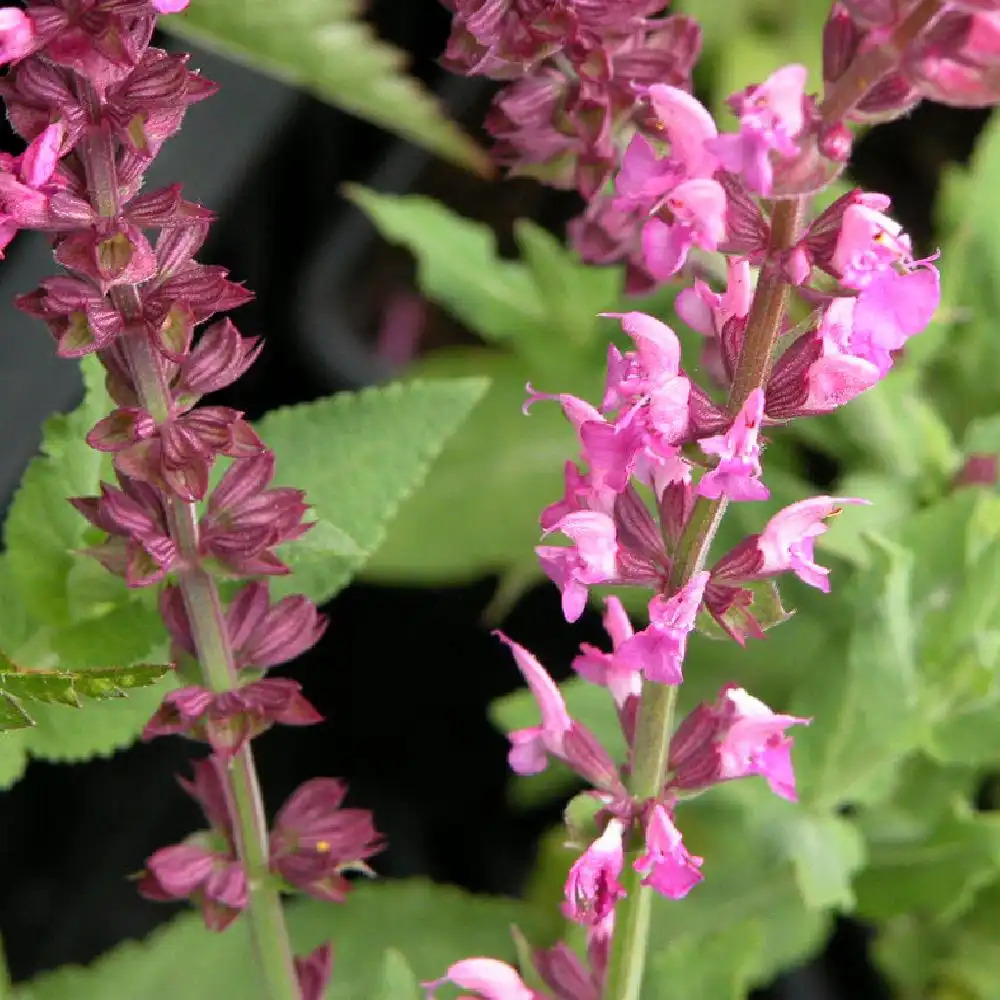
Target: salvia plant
193	562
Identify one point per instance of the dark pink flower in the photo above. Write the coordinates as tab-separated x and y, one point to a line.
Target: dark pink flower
205	866
592	887
314	841
227	719
735	737
314	972
245	521
666	865
566	975
139	547
590	559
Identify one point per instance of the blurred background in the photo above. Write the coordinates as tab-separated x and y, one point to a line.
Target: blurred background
406	704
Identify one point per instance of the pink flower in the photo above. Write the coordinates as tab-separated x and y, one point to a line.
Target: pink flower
786	543
689	128
489	977
736	737
17	35
314	840
667	866
529	747
696	210
313	972
558	734
592	887
707	311
659	649
169	6
227	719
771	117
623	680
591	559
868	244
204	867
737	476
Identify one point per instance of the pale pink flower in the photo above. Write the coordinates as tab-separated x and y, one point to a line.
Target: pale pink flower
489	977
771	117
697	212
591	559
737	475
869	243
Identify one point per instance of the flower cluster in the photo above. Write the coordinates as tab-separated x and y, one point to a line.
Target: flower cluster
813	311
94	102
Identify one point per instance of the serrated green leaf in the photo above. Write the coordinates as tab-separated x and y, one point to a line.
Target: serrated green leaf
42	530
358	456
431	925
323	47
396	980
12	715
458	265
478	510
865	714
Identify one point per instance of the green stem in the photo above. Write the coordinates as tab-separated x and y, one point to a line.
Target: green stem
651	750
204	607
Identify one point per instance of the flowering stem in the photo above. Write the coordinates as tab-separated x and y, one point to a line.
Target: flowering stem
871	65
654	727
205	612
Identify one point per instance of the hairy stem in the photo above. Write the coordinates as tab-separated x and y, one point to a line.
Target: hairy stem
654	727
205	612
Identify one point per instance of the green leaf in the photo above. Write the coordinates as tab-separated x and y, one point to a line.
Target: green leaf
750	888
42	531
432	926
572	293
826	852
765	606
865	716
397	981
718	966
936	876
458	265
358	456
478	510
323	47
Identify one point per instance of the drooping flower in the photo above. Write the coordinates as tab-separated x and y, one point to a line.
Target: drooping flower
666	864
314	841
558	734
735	737
659	649
592	887
737	475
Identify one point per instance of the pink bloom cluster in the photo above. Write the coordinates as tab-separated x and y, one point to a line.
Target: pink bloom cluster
94	102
